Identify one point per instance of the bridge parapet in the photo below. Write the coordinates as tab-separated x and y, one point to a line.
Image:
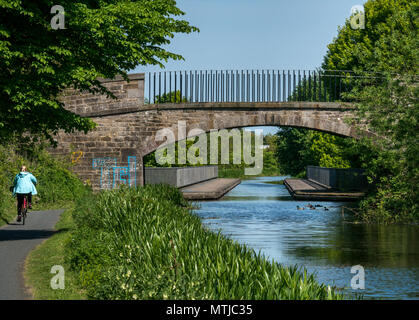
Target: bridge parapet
130	96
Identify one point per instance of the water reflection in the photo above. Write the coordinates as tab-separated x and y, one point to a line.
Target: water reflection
265	217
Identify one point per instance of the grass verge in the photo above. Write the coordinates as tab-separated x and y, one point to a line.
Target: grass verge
50	253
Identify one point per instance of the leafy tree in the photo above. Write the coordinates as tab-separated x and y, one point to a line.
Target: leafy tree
100	39
389	47
298	148
355	49
171	97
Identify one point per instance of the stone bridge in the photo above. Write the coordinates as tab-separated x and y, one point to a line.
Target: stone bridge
126	127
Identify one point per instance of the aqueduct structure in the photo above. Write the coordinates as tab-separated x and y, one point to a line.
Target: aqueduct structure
127	127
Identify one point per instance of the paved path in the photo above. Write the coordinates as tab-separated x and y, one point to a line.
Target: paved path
209	190
16	241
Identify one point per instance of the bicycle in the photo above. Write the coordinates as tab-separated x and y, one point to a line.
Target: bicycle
24	208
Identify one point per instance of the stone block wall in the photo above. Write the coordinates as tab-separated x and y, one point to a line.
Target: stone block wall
130	95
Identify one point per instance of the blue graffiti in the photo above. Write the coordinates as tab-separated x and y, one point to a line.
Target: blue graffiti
111	175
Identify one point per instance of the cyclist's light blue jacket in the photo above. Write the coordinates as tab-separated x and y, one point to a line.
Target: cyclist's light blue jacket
24	182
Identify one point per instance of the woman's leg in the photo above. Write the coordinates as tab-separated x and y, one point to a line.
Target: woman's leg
30	200
19	202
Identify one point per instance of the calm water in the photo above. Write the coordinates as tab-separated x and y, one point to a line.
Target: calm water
265	217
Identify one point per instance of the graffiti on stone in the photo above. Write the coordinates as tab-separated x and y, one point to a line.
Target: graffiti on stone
112	175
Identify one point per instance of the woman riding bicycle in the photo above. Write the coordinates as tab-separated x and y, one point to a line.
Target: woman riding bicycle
24	185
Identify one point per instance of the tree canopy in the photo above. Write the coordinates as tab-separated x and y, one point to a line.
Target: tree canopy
388	47
101	39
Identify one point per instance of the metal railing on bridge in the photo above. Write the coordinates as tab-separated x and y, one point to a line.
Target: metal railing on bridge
250	86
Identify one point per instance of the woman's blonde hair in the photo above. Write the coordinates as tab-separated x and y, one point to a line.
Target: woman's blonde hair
23	168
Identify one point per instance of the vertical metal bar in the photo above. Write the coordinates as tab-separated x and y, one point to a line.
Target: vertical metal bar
170	86
216	85
273	86
206	86
299	85
253	86
279	86
222	85
284	86
154	86
320	86
175	87
232	85
212	86
247	86
334	91
202	85
232	92
324	87
165	79
186	86
293	85
310	93
180	86
314	86
190	86
227	86
237	86
242	86
269	86
258	87
263	85
196	86
289	85
149	88
330	88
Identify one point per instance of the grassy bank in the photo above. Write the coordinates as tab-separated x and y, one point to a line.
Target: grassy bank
50	253
57	187
144	243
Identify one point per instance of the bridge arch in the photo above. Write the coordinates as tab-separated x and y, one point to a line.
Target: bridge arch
326	117
127	127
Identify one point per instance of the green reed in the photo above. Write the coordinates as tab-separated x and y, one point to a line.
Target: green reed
146	243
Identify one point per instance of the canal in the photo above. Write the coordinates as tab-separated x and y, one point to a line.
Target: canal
262	215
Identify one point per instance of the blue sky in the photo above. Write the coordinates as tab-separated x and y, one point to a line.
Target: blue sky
256	34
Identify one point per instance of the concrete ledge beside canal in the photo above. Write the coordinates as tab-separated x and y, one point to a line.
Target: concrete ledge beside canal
196	183
180	176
